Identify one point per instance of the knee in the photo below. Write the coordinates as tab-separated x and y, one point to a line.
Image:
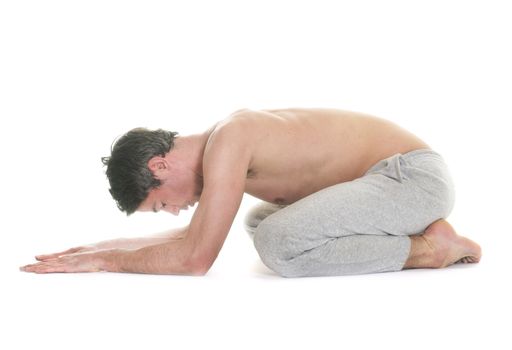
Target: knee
251	221
444	187
446	193
450	201
257	214
272	244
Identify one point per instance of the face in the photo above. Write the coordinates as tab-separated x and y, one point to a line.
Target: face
180	188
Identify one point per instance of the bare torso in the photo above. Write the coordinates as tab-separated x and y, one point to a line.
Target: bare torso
296	152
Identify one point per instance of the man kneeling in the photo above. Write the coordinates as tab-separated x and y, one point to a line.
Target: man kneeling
342	193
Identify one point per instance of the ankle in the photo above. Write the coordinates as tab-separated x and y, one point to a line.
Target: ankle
422	254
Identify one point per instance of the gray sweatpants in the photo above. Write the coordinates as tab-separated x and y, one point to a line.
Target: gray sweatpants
356	227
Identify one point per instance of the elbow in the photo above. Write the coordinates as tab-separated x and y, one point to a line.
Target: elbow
199	260
199	269
198	266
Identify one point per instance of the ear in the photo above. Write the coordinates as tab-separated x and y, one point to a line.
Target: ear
158	166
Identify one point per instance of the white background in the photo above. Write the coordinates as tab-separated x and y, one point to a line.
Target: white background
74	75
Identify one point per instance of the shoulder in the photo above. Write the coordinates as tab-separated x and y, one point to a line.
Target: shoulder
229	141
241	132
236	129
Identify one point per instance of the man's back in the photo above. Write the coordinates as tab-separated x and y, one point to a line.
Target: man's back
296	152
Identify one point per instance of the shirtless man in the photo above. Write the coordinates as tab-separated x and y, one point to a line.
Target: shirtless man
343	193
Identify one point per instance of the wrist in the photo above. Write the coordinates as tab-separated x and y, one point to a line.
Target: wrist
110	260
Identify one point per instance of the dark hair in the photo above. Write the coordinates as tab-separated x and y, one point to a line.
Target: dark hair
127	167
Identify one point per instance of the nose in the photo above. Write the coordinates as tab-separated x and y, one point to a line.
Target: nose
172	209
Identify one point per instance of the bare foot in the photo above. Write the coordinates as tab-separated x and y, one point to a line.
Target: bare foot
449	247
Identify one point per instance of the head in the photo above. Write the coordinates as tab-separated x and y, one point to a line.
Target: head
144	174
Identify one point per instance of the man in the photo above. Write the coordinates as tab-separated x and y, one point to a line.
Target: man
343	193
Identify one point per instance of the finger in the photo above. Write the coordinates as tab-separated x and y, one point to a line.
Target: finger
44	267
53	266
41	269
67	263
30	267
44	257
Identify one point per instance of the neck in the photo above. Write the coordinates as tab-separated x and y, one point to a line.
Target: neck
190	149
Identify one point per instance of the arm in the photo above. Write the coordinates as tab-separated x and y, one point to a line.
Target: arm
123	243
140	242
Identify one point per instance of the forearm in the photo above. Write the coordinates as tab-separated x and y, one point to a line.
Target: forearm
171	257
140	242
131	243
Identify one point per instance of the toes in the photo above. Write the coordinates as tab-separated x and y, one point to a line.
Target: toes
464	260
467	260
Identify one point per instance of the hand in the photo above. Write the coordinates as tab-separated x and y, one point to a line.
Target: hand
73	262
80	249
